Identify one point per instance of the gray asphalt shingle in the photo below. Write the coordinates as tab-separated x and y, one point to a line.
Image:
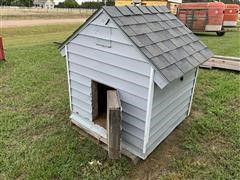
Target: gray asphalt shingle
124	10
155	26
170	46
160	61
112	11
152	9
144	9
200	58
184	65
125	20
144	39
178	42
139	19
206	53
140	28
189	49
135	10
172	72
192	61
151	17
154	50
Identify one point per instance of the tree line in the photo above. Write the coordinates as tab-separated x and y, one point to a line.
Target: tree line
91	5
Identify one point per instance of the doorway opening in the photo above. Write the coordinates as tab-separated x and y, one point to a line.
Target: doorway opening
99	103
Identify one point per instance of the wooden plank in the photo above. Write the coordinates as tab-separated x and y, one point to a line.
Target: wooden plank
227	57
222	63
103	142
113	124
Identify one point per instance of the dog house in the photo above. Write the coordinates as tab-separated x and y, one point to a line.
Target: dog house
149	57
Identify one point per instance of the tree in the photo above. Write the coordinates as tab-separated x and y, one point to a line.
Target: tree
70	4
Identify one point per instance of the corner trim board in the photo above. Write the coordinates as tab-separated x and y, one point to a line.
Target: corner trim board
68	76
149	110
193	90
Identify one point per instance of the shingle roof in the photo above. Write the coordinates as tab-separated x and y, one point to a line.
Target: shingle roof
168	44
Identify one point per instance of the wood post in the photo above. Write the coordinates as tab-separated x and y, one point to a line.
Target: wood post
114	118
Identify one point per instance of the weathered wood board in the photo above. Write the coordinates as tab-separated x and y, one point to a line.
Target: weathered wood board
223	62
114	121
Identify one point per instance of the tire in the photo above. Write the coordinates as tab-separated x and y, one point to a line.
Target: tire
220	33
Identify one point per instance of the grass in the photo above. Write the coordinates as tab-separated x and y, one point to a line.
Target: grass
211	143
37	142
32	13
227	45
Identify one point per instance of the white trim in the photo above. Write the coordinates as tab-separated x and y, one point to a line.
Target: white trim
194	85
93	129
68	76
230	23
149	110
213	28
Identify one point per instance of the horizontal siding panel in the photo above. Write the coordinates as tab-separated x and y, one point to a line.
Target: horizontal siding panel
80	87
131	64
82	104
107	33
116	48
170	108
167	116
130	139
82	112
153	145
170	101
174	86
134	131
133	121
132	99
168	123
110	70
131	148
176	91
134	111
110	81
80	95
80	79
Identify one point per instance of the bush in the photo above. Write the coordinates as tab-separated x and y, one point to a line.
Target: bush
96	5
70	4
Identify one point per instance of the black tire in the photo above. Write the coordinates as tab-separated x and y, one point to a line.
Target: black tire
220	33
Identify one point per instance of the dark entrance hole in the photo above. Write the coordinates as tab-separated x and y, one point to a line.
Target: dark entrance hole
99	103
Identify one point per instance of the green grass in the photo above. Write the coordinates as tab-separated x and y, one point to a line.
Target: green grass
227	45
32	13
37	142
211	143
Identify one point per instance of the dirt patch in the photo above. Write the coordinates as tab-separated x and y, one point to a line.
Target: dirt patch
159	161
37	22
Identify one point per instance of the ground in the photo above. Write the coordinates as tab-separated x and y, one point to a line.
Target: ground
37	141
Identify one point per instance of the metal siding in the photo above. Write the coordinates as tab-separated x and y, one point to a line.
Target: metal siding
114	82
121	67
167	131
117	48
132	120
110	70
170	106
106	57
103	32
